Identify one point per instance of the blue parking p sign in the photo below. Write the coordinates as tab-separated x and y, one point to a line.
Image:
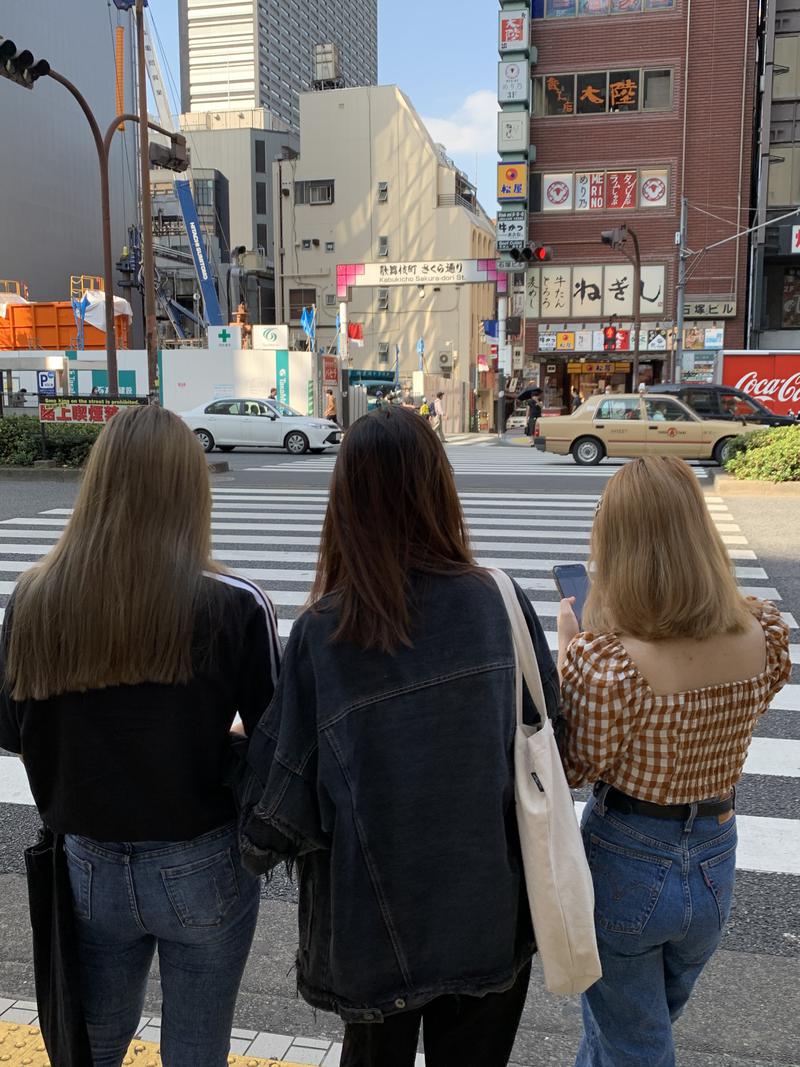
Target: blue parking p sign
46	382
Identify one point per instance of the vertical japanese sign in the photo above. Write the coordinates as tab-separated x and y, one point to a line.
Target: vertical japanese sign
513	81
513	131
282	375
512	181
621	188
514	31
555	300
587	292
590	191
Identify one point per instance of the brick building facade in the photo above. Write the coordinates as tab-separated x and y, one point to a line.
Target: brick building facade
634	105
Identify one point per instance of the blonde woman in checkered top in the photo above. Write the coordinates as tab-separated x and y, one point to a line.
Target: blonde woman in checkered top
661	694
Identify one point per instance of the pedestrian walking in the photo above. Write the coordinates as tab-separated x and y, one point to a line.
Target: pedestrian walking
575	400
330	405
273	394
534	413
425	409
661	696
126	654
384	767
439	415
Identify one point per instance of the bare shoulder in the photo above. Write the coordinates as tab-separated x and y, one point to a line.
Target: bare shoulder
680	665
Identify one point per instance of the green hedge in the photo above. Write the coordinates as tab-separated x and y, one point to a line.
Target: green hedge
21	442
771	455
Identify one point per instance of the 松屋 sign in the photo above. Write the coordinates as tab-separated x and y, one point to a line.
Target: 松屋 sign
512	181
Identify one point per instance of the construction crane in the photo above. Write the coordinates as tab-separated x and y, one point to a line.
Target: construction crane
212	313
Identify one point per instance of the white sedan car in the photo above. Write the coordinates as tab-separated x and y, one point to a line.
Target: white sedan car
230	423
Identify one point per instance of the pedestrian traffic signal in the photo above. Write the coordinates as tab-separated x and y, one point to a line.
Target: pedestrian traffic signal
21	67
532	254
610	339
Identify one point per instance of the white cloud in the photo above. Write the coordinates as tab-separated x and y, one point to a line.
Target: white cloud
472	129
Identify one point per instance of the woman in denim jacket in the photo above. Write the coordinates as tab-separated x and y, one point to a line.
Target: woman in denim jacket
384	767
661	696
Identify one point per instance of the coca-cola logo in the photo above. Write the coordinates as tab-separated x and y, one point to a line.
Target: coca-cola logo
785	390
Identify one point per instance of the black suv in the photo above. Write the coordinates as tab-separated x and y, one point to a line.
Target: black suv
723	402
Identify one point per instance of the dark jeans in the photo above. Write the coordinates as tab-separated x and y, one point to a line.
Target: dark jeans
197	904
457	1031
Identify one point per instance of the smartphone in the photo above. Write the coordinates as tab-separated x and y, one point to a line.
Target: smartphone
572	580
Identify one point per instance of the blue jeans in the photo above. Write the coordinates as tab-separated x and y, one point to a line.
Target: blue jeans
663	893
197	904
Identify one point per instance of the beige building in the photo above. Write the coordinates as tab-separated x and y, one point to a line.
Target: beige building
371	186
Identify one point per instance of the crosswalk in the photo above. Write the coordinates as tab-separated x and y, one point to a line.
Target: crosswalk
271	536
493	462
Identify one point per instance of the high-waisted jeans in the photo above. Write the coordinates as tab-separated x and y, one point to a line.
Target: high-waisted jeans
192	900
663	894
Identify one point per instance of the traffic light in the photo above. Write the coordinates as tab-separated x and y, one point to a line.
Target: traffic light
609	338
532	254
20	67
173	156
615	238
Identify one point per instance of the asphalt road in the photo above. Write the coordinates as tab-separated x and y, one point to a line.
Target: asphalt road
745	1009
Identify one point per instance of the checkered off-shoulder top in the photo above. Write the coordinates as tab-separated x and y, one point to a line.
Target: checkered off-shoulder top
674	749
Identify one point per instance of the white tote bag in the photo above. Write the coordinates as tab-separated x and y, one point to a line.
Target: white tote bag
557	875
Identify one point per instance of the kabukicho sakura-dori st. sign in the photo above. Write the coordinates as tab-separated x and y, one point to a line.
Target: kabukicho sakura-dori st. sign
771	377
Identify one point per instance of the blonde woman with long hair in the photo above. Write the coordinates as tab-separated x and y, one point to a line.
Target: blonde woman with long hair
661	693
126	655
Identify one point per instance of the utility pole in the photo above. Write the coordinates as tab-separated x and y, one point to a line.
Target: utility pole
148	265
680	307
502	319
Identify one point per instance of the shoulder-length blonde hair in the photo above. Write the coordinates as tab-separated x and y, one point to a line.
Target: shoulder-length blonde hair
114	602
659	567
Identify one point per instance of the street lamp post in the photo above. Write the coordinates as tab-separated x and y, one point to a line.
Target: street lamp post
148	265
616	239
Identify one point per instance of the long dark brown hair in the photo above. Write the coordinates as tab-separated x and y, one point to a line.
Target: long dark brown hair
393	509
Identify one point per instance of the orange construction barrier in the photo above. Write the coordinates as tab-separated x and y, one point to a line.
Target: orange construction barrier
51	325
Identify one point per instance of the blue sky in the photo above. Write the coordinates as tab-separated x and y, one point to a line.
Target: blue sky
443	55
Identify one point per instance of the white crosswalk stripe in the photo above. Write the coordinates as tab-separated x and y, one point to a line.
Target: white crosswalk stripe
272	535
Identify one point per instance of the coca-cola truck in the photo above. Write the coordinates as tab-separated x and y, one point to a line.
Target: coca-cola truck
771	377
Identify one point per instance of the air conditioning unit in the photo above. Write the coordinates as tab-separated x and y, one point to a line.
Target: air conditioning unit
444	362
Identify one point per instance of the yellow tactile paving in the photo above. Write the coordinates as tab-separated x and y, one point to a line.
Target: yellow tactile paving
22	1045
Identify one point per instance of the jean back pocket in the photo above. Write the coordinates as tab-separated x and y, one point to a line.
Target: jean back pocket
627	885
201	893
719	874
80	878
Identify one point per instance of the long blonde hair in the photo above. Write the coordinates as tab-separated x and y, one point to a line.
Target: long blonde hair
114	602
659	567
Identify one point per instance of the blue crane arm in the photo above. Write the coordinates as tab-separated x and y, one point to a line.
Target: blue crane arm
211	309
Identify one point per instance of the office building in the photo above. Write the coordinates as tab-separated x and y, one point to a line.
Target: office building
370	186
258	53
637	104
50	220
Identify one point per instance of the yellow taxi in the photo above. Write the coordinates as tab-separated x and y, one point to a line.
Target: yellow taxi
627	425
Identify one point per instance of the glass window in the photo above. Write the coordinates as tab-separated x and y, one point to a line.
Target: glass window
663	409
623	90
383	352
619	410
261	235
224	407
538	97
659	5
625	7
383	300
592	92
284	410
657	94
593	7
261	157
299	299
320	192
560	8
255	407
261	198
740	407
330	300
204	192
559	94
330	246
703	401
383	246
790	317
383	192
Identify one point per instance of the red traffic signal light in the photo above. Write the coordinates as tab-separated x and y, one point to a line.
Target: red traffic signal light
609	338
532	254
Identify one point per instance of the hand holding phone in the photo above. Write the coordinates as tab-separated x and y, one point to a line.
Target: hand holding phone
572	581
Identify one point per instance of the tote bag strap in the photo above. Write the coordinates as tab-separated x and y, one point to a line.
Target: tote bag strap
527	665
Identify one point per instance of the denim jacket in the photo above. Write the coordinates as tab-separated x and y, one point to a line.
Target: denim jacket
389	780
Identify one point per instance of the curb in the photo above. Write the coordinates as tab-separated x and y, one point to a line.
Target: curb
725	485
73	474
